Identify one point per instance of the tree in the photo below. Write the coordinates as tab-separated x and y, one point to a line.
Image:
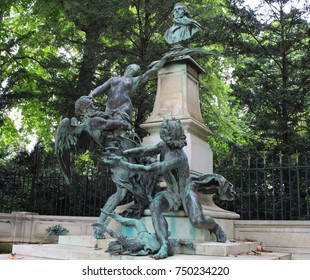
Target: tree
269	48
218	104
66	48
33	70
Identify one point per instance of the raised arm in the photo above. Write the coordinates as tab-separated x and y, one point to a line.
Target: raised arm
100	89
155	68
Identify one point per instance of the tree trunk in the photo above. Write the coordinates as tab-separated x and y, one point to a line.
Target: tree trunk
89	62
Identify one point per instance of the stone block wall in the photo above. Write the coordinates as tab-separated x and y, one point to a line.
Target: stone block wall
25	227
278	236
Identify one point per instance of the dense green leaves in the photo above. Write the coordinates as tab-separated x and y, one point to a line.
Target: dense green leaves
270	55
256	95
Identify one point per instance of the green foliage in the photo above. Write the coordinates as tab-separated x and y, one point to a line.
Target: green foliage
218	111
8	134
5	248
66	48
33	72
270	80
56	230
255	95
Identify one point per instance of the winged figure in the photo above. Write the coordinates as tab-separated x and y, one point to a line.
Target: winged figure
75	138
113	134
70	140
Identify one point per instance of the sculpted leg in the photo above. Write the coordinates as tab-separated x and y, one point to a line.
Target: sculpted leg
157	207
109	207
198	220
219	233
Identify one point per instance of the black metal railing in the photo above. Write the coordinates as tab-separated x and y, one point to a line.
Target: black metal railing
268	187
48	194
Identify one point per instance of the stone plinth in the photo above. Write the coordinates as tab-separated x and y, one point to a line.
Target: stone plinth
181	228
178	91
178	96
204	251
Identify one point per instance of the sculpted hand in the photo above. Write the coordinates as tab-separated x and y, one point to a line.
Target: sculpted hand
112	160
90	94
171	55
126	126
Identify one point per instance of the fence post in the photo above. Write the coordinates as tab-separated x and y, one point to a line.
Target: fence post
249	185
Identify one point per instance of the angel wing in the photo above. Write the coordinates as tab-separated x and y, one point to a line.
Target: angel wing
70	140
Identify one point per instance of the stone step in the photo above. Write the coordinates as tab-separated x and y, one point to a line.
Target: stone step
70	252
219	249
84	241
87	247
202	248
20	257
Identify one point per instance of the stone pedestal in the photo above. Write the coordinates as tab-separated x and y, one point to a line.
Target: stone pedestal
178	91
178	96
181	228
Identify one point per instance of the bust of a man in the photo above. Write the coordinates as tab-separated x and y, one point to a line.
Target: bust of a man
183	26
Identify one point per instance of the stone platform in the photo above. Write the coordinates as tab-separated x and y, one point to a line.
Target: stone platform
88	248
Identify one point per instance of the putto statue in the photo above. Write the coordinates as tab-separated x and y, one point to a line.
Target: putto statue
182	188
183	27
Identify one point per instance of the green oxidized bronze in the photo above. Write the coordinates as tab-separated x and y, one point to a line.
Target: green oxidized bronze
182	188
183	27
136	169
112	131
142	243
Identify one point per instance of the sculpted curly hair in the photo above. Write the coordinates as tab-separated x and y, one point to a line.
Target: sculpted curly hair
172	133
185	9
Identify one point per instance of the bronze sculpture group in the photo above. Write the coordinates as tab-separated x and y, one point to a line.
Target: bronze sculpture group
136	168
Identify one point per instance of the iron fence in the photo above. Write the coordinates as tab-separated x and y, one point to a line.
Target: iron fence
275	188
268	187
48	194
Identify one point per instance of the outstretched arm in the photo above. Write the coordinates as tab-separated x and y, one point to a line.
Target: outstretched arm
154	168
101	124
158	168
150	150
155	68
104	87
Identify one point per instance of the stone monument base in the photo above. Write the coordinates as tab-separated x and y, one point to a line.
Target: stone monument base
180	227
88	248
